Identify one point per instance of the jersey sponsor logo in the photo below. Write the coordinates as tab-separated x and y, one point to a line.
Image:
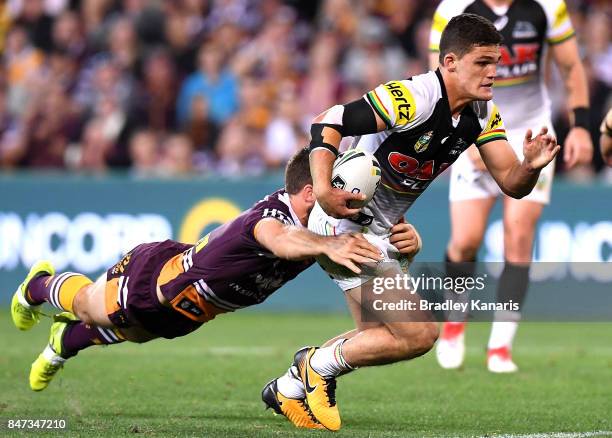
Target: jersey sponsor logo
524	29
273	280
403	102
410	166
517	65
119	268
407	186
459	146
277	214
202	243
190	307
519	53
423	142
494	130
496	120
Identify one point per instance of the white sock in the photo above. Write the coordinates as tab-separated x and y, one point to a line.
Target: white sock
329	361
52	356
290	386
502	334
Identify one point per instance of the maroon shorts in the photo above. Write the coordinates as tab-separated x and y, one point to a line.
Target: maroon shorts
131	292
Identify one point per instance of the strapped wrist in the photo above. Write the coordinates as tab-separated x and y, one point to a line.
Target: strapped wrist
319	146
581	117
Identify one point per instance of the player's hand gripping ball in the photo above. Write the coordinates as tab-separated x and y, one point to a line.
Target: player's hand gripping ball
356	171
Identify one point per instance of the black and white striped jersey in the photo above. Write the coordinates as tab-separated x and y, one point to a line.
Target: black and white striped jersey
421	140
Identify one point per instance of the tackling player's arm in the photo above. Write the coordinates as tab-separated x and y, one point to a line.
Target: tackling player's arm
327	130
293	243
578	147
515	178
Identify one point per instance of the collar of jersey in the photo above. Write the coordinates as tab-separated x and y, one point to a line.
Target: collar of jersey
284	198
442	86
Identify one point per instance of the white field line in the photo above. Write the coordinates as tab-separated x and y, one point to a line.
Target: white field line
556	435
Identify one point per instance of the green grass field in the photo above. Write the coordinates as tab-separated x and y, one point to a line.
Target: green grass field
209	383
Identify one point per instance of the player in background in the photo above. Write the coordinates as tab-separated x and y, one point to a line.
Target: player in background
416	128
605	140
169	289
530	29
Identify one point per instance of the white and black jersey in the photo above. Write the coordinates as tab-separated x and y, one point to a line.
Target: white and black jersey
528	28
421	140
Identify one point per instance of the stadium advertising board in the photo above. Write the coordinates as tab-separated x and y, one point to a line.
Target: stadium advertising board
86	224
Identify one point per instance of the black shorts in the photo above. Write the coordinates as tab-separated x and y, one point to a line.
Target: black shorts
131	292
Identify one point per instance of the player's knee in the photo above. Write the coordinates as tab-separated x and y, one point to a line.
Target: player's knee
463	248
518	246
80	305
426	337
418	342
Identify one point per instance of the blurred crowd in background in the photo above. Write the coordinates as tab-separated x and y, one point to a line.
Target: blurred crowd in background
218	87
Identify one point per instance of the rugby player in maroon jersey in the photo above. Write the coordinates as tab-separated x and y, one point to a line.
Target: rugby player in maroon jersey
169	289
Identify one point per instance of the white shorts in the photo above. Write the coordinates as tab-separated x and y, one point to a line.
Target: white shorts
393	262
468	183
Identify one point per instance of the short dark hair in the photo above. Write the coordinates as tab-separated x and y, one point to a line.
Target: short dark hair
465	31
297	172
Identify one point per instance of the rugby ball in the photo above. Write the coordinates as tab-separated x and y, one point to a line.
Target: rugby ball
356	171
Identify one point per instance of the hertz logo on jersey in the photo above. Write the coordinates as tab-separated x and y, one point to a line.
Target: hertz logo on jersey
403	102
398	98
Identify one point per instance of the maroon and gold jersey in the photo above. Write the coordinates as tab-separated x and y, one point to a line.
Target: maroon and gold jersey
228	269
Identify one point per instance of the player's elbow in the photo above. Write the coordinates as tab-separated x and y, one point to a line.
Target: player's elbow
516	191
516	194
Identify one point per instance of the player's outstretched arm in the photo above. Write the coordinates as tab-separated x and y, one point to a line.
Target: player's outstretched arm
327	130
293	243
515	178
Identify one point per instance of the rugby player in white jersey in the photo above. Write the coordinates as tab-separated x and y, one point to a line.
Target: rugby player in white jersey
416	128
530	29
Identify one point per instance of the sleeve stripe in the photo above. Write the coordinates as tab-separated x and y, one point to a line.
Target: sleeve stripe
493	131
564	37
379	107
491	136
488	140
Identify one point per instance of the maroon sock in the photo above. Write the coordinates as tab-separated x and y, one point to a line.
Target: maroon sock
47	288
78	336
39	289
